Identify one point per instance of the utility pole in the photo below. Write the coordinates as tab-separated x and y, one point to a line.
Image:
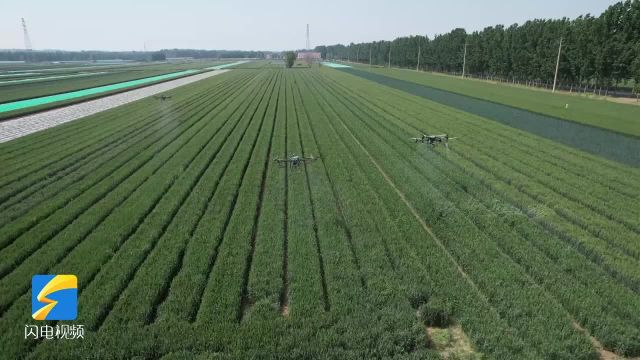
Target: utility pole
370	46
555	78
389	55
418	66
464	59
27	40
358	53
308	42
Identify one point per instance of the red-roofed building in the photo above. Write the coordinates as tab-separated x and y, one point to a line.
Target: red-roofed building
309	55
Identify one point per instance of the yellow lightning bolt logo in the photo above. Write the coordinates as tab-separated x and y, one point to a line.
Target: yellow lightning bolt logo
59	282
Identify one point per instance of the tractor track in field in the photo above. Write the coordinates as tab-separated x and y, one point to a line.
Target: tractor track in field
323	277
245	300
206	243
336	199
384	242
197	309
284	292
29	124
177	267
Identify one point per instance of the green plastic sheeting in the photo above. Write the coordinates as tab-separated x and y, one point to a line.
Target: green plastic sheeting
335	65
19	81
23	104
223	66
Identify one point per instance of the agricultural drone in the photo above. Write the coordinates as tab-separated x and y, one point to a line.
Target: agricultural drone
295	160
162	97
434	139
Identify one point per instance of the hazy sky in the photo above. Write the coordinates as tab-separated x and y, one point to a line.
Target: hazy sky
257	25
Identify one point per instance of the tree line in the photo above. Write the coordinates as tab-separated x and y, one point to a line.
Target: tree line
61	55
599	51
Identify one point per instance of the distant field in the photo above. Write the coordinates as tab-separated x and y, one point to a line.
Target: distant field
623	118
107	75
188	239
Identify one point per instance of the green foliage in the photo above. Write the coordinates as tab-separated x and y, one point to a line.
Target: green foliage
440	338
436	312
418	297
158	56
610	145
96	55
289	58
190	242
596	50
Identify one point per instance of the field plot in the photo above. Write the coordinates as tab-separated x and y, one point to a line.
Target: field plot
622	118
61	79
188	239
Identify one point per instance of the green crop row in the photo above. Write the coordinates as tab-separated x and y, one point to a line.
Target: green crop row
624	341
118	119
70	175
472	250
112	231
616	261
190	241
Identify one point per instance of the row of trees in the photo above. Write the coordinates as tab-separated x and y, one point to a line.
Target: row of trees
602	51
59	55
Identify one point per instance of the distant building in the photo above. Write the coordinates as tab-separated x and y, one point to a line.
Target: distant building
309	55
